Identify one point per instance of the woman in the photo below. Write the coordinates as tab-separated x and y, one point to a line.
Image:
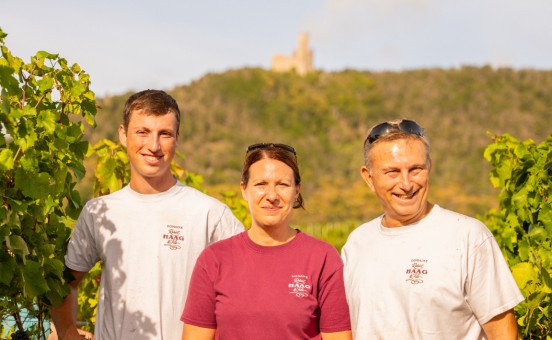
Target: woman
272	281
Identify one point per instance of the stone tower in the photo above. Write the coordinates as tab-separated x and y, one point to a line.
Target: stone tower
300	60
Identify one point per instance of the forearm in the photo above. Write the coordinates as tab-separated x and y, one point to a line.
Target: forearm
502	327
345	335
198	333
64	315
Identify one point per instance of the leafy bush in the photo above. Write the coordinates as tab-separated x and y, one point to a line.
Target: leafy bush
523	225
44	105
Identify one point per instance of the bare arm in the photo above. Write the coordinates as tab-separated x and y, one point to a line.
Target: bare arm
65	314
345	335
198	333
502	327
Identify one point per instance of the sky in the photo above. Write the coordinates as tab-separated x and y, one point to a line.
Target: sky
130	45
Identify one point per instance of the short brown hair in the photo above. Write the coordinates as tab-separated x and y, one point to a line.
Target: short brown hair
153	102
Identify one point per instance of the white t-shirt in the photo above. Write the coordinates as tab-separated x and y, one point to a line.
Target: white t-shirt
439	278
148	245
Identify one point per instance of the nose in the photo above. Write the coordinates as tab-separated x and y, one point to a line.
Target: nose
271	193
153	143
406	183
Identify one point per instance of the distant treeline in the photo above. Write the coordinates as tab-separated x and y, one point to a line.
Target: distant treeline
326	116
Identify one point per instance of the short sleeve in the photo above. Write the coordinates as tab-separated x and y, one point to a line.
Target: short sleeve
334	311
227	226
199	309
491	288
82	251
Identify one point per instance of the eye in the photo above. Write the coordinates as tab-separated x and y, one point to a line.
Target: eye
417	170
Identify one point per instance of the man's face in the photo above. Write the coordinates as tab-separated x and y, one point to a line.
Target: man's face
399	176
151	144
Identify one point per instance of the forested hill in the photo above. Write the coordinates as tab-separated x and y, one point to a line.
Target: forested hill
327	115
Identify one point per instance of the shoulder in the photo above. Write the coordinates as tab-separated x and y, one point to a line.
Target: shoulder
196	197
223	249
459	227
182	189
224	246
458	221
320	251
365	229
97	203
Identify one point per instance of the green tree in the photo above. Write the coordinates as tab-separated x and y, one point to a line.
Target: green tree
523	225
44	105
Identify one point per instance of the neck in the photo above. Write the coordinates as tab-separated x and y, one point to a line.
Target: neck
389	222
265	237
150	186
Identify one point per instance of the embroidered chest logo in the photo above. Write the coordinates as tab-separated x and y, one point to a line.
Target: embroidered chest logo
172	237
300	286
417	271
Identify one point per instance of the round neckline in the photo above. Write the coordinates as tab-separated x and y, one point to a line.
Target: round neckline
271	249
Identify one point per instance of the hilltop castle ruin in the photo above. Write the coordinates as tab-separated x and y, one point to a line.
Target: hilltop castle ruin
300	60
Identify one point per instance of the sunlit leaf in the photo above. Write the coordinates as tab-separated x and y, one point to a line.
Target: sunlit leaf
47	120
34	283
45	84
6	160
36	186
17	245
523	273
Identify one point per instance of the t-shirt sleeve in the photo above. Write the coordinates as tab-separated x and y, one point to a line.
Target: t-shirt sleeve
227	226
199	309
82	252
334	311
491	288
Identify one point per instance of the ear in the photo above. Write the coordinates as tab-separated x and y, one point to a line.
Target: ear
242	187
122	135
367	177
297	190
430	166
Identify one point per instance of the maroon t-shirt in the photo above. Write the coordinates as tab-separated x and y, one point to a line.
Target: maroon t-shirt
248	291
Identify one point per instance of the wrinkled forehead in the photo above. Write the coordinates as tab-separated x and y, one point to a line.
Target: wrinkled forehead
403	149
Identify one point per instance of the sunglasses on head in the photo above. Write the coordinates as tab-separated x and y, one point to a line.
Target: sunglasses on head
270	145
405	125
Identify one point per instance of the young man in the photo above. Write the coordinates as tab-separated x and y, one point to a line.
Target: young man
148	234
420	271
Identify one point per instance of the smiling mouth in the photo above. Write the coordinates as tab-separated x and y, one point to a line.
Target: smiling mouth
152	158
406	196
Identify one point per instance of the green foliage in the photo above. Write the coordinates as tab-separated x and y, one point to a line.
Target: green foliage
238	206
44	105
523	225
335	234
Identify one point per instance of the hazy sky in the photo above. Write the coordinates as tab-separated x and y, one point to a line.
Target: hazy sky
132	45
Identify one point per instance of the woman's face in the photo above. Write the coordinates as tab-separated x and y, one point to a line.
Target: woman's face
271	193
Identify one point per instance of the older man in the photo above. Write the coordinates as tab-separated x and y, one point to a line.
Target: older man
420	271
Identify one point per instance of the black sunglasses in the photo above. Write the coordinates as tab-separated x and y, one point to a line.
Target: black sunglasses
270	145
405	125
